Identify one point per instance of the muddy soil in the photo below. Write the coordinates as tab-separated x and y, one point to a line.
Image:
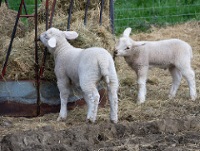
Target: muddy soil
159	135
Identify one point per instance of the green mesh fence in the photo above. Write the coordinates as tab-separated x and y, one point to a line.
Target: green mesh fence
141	14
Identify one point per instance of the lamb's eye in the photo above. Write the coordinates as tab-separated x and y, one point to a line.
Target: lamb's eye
46	36
127	47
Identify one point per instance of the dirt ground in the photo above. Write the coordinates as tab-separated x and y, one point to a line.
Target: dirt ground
159	124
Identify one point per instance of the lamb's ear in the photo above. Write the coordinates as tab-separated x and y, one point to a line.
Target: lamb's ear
138	44
127	32
71	34
52	42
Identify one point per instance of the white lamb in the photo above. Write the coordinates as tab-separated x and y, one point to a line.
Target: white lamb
84	68
173	54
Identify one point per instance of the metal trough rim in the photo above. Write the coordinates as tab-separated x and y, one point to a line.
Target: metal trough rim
19	98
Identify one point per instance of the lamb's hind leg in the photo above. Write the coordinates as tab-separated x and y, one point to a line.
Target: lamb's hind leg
113	98
176	79
92	98
189	75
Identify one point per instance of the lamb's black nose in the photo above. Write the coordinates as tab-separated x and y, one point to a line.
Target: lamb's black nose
115	52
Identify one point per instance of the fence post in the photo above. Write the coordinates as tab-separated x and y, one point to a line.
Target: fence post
69	14
112	16
37	78
101	11
12	38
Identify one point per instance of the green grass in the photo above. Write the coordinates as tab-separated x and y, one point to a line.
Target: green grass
141	14
30	5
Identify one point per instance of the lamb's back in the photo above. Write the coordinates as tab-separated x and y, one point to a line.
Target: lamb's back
167	51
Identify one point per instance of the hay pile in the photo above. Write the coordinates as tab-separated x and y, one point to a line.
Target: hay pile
7	22
62	6
21	62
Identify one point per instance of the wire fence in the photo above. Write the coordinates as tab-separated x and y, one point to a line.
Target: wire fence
142	14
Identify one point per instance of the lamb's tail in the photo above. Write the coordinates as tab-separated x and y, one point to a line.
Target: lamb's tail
104	69
107	69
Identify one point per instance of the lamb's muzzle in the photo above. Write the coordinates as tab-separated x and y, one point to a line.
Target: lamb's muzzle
114	54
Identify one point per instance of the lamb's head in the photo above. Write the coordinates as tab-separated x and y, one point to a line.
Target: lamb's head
53	36
125	45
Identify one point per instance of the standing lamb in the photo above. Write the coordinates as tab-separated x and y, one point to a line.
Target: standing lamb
84	68
173	54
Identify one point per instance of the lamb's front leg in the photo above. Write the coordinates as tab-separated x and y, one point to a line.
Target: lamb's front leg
142	73
63	86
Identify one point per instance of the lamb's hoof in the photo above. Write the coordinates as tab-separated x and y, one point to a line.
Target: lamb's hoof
89	121
114	118
114	121
61	119
140	102
193	98
171	97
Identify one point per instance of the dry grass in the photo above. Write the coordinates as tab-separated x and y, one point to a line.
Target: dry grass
7	22
157	105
